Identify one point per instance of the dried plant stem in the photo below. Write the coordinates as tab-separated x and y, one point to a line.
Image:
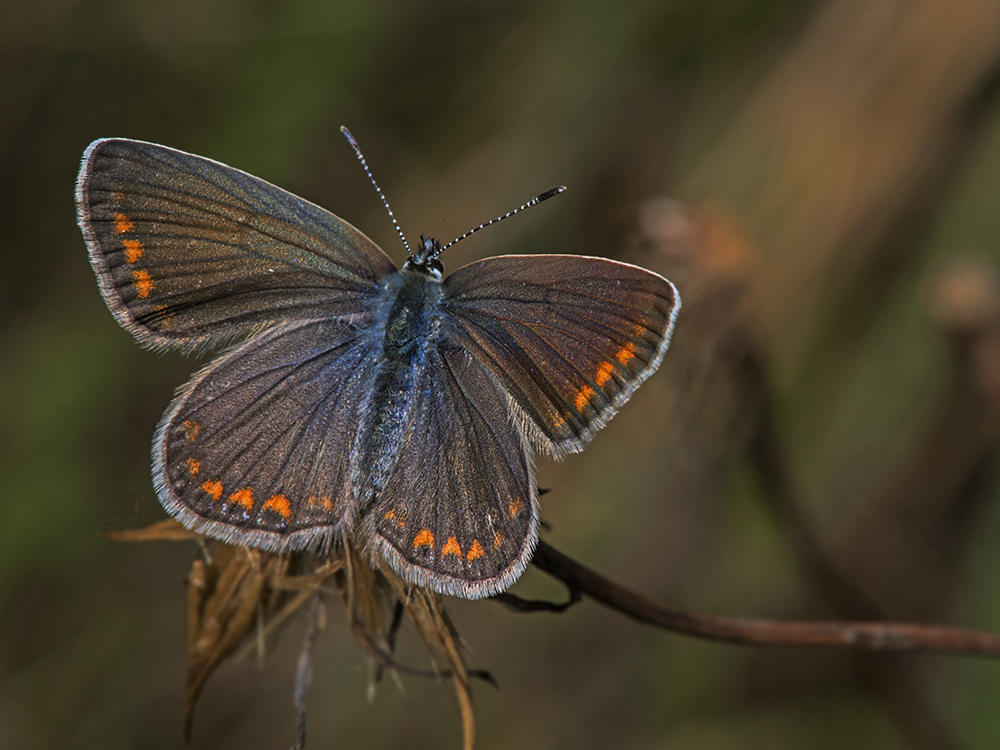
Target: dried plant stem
868	636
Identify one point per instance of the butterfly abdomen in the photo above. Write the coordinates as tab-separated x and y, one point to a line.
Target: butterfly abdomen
411	327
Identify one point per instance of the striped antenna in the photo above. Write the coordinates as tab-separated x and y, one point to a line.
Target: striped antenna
533	202
361	158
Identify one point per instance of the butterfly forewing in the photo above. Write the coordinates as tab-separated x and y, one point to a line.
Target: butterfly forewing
569	337
191	252
255	449
458	514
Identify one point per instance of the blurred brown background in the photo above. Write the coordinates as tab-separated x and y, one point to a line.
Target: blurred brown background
822	181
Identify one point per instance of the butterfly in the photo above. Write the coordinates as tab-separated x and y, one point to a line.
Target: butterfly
395	409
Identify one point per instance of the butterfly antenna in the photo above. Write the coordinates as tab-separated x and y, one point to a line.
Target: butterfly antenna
533	202
361	158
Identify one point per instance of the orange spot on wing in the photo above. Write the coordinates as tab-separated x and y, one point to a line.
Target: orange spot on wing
424	539
583	397
515	507
133	250
278	504
214	488
165	320
243	497
143	283
497	540
391	516
122	224
451	547
324	501
193	466
604	371
191	429
626	353
476	550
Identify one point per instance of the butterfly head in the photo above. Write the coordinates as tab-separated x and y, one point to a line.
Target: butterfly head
425	260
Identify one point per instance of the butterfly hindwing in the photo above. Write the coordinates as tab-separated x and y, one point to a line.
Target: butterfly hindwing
255	448
189	252
459	512
569	337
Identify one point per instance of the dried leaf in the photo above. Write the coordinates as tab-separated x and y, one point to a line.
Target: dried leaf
167	530
235	589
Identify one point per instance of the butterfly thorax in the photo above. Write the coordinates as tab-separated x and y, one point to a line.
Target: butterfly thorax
410	304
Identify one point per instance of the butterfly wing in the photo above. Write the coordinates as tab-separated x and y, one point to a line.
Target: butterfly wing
569	337
191	253
458	513
255	449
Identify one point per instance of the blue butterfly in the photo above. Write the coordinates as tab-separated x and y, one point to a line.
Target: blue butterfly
398	410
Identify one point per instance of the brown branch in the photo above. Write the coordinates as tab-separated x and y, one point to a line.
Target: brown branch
868	636
517	604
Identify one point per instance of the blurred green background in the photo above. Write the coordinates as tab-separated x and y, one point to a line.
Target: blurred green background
821	179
